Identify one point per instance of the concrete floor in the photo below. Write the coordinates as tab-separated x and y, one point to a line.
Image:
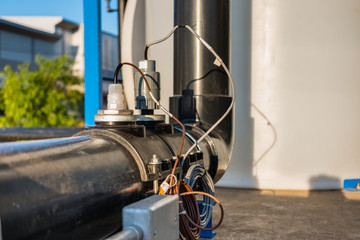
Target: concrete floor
252	214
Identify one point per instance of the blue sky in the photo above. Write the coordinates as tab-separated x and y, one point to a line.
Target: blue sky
69	9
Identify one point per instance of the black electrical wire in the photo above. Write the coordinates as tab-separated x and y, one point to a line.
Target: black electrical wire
116	73
204	77
141	81
146	52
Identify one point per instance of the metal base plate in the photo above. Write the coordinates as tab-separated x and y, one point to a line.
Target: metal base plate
125	116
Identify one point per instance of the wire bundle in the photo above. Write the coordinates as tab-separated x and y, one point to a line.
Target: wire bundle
197	175
191	221
188	208
218	61
172	180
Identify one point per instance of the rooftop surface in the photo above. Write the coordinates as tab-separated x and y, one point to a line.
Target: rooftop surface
252	214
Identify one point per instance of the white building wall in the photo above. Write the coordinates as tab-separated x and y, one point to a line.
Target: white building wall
78	44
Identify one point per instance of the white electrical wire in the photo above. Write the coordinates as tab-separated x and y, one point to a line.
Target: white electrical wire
161	40
160	106
219	62
232	89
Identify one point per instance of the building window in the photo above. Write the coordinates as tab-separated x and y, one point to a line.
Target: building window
47	49
15	47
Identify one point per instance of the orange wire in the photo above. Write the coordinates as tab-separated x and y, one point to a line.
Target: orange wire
182	143
176	189
201	193
173	117
141	73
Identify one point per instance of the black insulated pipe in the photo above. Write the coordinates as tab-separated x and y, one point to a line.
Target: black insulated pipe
193	63
75	188
66	188
201	89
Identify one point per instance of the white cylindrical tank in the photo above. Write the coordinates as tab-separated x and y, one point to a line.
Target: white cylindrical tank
306	80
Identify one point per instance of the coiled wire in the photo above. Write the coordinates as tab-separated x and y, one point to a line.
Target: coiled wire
197	175
188	209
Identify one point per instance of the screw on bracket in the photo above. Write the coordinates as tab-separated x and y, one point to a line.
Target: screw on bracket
154	167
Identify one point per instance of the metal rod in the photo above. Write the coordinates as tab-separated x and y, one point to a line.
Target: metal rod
156	186
129	233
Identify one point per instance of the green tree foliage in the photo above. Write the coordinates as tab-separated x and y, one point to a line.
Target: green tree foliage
44	97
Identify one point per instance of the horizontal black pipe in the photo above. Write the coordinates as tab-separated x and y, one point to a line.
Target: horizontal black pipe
75	188
67	188
35	133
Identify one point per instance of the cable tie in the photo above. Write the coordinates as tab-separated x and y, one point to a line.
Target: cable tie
206	204
182	213
217	62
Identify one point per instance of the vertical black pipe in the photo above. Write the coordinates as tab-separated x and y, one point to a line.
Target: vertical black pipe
193	63
201	88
